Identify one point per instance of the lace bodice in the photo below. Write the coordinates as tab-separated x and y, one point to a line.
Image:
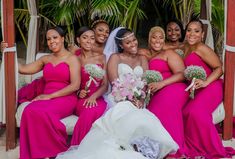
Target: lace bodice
125	68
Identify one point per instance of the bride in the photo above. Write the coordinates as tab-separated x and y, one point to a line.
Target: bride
125	131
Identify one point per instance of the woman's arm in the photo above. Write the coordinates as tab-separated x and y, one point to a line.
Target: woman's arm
144	63
113	67
33	67
177	67
212	60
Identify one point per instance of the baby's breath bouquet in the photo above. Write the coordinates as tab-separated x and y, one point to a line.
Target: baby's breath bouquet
95	72
151	76
128	87
192	73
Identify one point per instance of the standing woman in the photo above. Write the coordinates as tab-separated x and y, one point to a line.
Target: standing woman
90	105
201	136
101	30
41	132
169	96
175	36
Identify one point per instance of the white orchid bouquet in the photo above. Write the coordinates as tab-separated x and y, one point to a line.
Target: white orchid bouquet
192	73
95	73
128	87
151	76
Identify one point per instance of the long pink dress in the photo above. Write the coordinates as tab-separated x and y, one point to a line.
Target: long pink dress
201	136
41	132
87	116
167	104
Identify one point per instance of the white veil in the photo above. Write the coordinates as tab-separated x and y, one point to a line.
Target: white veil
110	46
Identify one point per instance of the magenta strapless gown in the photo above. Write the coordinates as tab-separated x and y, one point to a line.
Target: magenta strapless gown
201	136
41	132
35	88
87	116
167	104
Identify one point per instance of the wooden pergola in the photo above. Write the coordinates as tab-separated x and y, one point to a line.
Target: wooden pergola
9	34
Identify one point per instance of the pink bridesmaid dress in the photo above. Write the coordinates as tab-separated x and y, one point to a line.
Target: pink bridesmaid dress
167	104
87	116
35	88
201	136
41	132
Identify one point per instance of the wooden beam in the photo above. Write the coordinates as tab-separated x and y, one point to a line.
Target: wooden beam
9	37
203	15
229	72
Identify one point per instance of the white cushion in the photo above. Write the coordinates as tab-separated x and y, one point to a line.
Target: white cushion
69	121
219	114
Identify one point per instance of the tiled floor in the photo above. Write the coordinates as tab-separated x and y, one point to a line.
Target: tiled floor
14	154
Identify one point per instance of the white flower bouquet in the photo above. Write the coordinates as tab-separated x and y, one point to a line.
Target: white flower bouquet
95	73
151	76
192	73
128	87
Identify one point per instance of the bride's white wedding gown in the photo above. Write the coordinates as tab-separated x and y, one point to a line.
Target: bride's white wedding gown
110	136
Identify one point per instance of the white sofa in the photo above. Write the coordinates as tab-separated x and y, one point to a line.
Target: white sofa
69	121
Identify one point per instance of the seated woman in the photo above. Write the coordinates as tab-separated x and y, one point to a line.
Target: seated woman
90	105
41	132
169	95
201	136
112	134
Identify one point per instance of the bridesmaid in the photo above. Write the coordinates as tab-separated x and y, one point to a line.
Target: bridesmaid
175	36
90	105
201	136
101	30
174	39
41	132
169	96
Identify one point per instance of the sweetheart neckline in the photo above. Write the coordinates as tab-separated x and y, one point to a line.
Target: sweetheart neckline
55	65
130	66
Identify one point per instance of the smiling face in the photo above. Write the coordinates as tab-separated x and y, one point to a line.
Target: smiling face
156	40
55	41
194	33
173	32
101	33
130	43
87	40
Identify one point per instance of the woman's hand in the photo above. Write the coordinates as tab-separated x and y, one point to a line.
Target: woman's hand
83	93
155	86
139	103
90	102
3	45
200	83
42	97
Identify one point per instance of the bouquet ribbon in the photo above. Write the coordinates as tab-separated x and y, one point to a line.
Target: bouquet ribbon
191	85
90	80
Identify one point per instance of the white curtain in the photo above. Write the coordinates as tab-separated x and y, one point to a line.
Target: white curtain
32	35
209	37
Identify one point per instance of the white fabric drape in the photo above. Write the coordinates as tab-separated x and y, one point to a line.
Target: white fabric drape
2	84
32	35
209	37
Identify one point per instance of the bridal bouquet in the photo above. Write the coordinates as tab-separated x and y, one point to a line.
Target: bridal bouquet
128	87
151	76
192	73
95	73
